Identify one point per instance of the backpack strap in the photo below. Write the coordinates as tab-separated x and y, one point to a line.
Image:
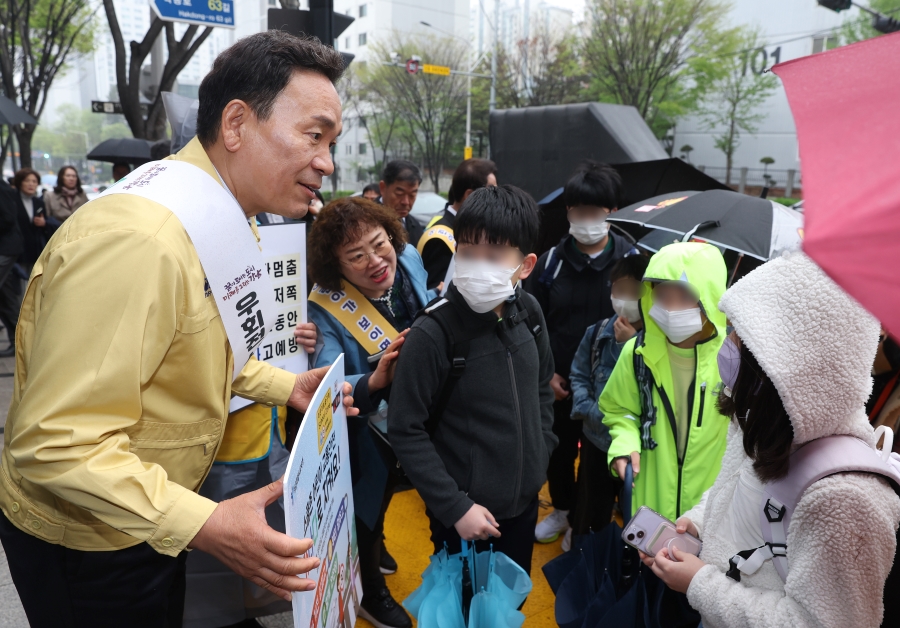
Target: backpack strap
646	384
445	315
595	343
813	461
459	339
551	270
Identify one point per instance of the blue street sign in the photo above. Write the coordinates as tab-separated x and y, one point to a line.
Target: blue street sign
203	12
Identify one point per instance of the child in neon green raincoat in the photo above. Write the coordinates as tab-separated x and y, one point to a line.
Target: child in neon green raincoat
676	444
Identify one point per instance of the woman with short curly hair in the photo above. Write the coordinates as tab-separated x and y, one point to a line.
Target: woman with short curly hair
369	288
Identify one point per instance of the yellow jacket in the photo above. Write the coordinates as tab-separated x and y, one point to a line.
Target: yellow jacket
122	382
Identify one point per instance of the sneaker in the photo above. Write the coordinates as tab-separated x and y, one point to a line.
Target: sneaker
567	541
382	611
387	565
548	530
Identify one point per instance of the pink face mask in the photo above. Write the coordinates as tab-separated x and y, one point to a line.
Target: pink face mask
729	360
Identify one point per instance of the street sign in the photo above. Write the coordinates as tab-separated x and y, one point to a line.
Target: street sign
202	12
99	106
467	152
412	66
104	106
441	70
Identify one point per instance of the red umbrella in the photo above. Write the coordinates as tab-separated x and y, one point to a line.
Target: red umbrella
846	104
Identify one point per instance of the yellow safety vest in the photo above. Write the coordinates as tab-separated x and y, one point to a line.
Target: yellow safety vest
440	232
357	315
249	433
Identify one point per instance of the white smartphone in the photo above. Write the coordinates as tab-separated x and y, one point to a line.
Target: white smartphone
650	532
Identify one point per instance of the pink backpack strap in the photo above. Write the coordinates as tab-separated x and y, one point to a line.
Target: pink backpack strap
809	464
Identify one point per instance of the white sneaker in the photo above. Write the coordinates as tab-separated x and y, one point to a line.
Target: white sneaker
552	526
567	541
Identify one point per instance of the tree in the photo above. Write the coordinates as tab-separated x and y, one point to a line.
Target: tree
687	149
656	55
430	108
373	108
37	39
733	104
542	70
130	62
766	162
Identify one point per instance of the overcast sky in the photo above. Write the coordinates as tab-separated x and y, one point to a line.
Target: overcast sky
577	6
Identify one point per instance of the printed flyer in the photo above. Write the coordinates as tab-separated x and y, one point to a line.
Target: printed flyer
318	501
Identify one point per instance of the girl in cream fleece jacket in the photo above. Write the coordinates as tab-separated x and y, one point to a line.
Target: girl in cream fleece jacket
816	345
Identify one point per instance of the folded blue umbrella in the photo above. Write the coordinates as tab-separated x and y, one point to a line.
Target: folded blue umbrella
495	588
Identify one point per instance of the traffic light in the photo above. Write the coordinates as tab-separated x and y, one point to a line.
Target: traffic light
320	21
836	5
885	24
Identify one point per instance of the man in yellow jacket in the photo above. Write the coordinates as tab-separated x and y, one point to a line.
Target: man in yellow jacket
124	366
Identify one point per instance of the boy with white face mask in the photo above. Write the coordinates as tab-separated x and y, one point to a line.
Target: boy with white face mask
572	285
659	402
471	408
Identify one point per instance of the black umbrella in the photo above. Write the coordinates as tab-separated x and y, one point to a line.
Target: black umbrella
601	582
640	180
11	113
128	150
744	224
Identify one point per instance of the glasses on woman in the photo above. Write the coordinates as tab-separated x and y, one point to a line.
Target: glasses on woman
360	260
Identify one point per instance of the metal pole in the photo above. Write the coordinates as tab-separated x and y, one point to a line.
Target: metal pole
469	114
493	102
526	84
156	59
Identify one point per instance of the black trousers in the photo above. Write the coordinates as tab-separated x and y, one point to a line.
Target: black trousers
561	469
66	588
516	540
597	490
9	296
369	543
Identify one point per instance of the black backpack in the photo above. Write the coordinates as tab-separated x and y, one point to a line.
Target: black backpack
450	320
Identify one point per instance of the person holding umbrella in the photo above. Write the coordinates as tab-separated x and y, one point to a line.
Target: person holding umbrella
120	170
659	403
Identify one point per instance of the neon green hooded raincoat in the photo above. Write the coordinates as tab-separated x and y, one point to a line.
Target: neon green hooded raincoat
666	484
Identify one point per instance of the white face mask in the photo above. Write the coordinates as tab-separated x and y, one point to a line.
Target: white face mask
589	233
628	309
679	325
483	285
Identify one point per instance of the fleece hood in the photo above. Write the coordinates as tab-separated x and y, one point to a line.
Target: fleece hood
694	263
814	341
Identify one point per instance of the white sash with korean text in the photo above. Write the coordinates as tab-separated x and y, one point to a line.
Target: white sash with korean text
228	251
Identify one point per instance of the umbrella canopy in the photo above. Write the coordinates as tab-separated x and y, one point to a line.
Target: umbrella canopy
640	180
129	150
11	113
744	224
845	109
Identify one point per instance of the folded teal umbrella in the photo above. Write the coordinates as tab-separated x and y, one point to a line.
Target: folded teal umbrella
474	589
